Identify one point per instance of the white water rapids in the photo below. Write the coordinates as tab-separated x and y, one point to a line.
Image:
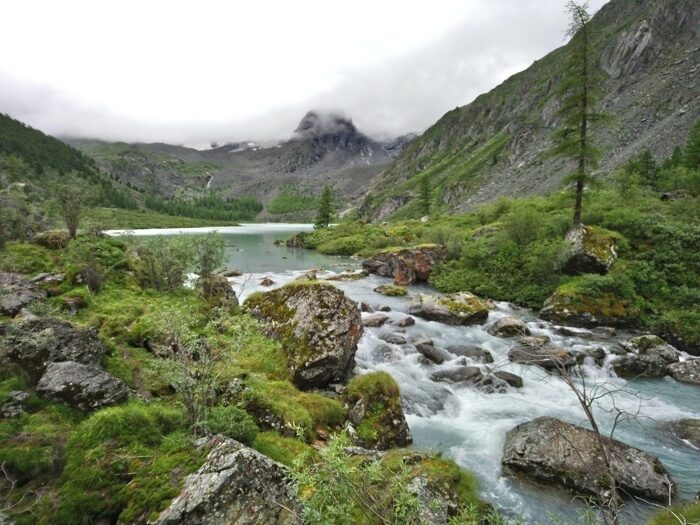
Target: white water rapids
465	423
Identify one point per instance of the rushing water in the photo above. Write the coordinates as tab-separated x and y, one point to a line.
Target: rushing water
467	424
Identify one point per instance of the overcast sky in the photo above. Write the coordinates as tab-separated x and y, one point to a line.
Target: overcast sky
199	71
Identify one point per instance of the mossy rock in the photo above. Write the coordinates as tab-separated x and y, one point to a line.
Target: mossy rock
54	239
391	290
592	300
375	410
216	290
593	250
461	308
318	326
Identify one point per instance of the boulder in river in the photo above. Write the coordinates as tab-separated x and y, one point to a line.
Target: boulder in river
461	308
16	292
430	353
460	374
33	344
647	355
686	371
375	412
406	321
391	290
471	351
391	338
592	250
553	451
408	265
548	357
236	485
508	327
374	320
318	325
85	387
688	430
513	380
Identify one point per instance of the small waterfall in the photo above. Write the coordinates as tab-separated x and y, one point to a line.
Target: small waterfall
210	178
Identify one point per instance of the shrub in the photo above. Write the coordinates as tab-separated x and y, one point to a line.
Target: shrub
233	422
208	252
163	263
523	225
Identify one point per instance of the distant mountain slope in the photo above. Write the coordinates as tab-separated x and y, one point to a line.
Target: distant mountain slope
649	56
325	148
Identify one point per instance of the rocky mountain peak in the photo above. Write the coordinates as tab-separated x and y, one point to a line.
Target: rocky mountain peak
317	124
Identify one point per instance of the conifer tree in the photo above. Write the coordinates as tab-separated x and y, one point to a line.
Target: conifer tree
326	208
578	99
692	148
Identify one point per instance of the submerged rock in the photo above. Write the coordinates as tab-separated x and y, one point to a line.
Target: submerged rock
236	485
406	266
686	371
461	308
217	291
556	452
647	355
85	387
33	344
16	292
593	250
375	412
548	357
688	430
508	327
319	328
471	351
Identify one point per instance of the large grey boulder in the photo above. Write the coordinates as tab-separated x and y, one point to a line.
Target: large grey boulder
461	308
33	344
592	250
553	451
408	265
16	292
319	328
686	371
647	355
235	486
85	387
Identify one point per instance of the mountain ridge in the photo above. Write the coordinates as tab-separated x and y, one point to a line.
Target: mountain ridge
496	146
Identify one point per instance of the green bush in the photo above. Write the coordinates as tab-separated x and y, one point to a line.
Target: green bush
233	422
163	263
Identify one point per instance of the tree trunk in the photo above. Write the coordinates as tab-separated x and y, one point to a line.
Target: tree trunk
583	128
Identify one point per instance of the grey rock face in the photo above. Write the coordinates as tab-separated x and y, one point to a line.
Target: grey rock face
552	451
686	372
508	327
85	387
318	325
35	343
235	486
461	308
16	292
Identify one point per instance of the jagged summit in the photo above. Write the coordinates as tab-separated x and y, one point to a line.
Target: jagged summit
316	123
